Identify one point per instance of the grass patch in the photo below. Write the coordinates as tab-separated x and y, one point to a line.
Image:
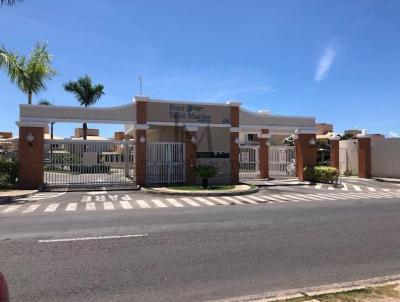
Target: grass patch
199	188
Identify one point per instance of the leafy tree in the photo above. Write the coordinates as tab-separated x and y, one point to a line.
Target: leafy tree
29	74
205	172
86	93
289	141
48	103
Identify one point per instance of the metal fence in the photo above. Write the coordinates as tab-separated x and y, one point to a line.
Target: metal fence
249	166
87	164
165	163
282	161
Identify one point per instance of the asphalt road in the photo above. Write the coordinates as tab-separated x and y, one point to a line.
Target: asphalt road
198	254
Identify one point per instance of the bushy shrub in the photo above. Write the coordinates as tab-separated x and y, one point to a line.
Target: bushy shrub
321	174
206	172
8	173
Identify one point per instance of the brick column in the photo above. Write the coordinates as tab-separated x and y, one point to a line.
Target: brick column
141	139
364	156
234	114
263	153
190	156
306	153
31	157
334	150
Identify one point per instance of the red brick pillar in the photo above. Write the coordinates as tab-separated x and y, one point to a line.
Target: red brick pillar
334	147
263	153
364	156
31	157
141	140
234	141
190	156
306	153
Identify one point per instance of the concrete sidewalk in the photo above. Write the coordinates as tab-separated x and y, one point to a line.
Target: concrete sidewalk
276	182
10	195
389	180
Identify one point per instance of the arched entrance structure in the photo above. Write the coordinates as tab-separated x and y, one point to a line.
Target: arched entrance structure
168	139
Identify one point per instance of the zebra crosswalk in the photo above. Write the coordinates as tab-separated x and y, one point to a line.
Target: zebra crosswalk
42	196
126	202
347	187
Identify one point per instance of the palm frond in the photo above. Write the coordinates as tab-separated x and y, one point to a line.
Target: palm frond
9	2
85	92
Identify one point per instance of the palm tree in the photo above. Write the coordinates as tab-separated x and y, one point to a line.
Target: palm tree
86	93
205	172
9	2
48	103
29	74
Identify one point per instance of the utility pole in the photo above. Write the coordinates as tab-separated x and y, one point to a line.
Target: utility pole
140	85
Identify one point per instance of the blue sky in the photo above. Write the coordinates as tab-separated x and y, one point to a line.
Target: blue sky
335	60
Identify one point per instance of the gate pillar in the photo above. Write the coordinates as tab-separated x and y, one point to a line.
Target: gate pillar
31	157
306	152
234	114
190	156
263	153
364	156
334	150
140	155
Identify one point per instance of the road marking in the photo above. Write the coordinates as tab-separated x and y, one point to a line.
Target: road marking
279	198
345	188
90	206
386	190
270	198
126	204
371	189
159	203
31	208
108	205
71	207
357	188
91	238
331	188
51	207
205	201
325	196
11	208
258	199
247	199
175	203
232	200
296	196
318	186
143	204
219	200
308	196
191	202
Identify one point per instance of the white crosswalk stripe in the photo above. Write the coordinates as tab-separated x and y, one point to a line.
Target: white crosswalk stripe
205	201
219	200
248	199
71	207
159	203
12	208
143	204
175	203
108	205
357	188
125	204
269	198
30	209
318	186
232	200
190	201
90	206
372	189
51	207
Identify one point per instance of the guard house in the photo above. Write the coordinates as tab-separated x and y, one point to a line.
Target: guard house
162	143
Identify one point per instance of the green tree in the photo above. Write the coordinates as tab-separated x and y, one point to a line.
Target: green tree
48	103
86	93
28	74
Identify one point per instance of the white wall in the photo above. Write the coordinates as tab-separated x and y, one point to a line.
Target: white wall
386	158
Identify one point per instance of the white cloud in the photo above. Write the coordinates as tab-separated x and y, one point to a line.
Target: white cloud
394	134
325	64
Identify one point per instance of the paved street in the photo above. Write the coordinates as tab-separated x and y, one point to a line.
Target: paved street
306	236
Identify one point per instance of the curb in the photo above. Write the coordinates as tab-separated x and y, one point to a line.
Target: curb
387	180
8	199
249	191
315	291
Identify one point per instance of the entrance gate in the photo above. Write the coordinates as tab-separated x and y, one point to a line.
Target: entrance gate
88	164
282	161
165	163
249	166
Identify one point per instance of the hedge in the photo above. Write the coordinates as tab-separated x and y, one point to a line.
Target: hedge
8	173
321	174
